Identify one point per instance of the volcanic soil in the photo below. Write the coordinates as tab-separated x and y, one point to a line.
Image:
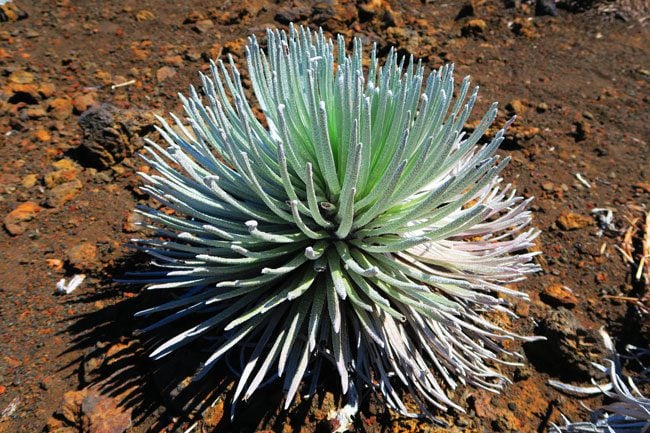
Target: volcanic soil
578	83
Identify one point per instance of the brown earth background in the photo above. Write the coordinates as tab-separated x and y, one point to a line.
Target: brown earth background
578	83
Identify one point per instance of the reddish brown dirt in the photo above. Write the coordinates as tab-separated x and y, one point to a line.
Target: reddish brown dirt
578	82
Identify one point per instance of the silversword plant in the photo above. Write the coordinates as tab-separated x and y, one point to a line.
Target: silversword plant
353	221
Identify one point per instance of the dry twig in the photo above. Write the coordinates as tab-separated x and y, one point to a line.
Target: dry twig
638	257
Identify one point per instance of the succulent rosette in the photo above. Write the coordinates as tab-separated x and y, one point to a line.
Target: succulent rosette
352	222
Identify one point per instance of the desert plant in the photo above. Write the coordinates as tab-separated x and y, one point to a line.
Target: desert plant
352	221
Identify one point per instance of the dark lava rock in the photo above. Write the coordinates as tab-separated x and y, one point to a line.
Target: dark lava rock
582	131
474	27
466	11
288	15
545	7
11	12
111	134
332	17
569	349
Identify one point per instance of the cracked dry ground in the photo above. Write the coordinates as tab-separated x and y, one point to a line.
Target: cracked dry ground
578	83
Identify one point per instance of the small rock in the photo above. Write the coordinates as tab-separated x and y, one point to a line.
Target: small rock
164	73
474	27
29	180
194	17
27	93
46	90
231	16
572	221
570	347
111	134
336	15
502	424
94	412
643	186
174	60
21	77
523	27
467	10
558	295
545	7
35	112
45	384
214	52
288	15
234	47
8	182
55	264
9	11
548	186
31	34
13	362
515	106
368	11
65	164
193	55
61	194
83	256
66	170
144	15
90	367
104	77
523	372
212	416
583	130
522	309
203	26
119	170
71	404
132	222
542	107
461	421
480	404
519	134
60	108
16	221
55	425
43	135
83	101
104	176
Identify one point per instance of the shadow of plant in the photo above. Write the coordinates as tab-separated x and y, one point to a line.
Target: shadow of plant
161	395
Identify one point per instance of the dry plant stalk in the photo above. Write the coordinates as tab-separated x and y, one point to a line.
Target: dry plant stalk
639	262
